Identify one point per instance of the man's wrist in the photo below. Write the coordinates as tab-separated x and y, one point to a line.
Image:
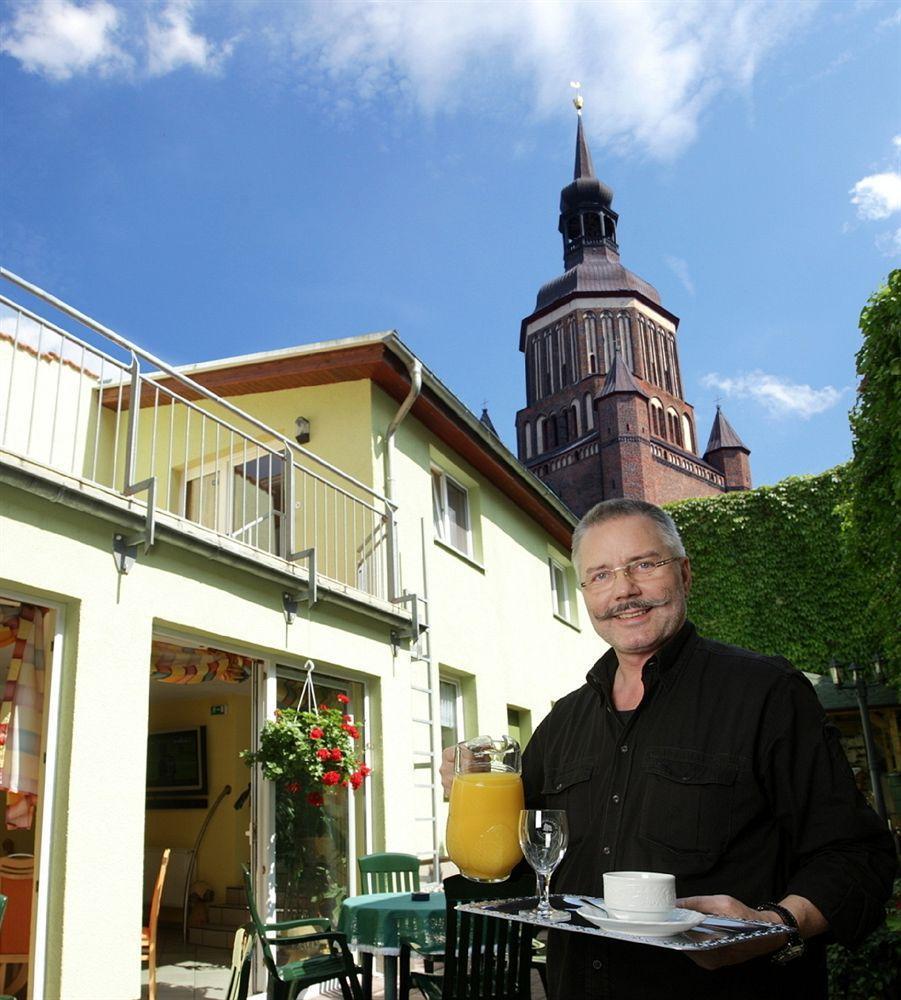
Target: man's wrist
794	947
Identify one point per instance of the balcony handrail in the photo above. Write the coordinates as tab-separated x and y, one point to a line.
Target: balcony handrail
136	351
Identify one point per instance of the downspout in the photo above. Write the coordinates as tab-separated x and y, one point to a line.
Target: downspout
415	370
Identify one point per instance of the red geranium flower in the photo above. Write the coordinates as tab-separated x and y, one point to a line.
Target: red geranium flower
331	778
315	799
365	770
343	699
293	787
323	707
336	754
315	733
352	730
322	753
356	780
347	718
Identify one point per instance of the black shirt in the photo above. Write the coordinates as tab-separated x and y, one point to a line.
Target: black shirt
727	775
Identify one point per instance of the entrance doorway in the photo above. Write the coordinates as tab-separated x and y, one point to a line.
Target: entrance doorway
198	806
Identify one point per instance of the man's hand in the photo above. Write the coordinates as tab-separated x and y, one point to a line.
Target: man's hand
728	906
447	769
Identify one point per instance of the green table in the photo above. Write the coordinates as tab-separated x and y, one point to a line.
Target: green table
380	923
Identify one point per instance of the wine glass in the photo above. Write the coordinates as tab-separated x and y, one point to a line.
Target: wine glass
543	835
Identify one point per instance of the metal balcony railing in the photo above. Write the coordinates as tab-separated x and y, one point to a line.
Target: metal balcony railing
81	404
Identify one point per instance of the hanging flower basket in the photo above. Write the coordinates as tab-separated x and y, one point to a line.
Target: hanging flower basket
313	749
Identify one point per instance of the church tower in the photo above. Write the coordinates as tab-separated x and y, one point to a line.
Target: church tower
605	412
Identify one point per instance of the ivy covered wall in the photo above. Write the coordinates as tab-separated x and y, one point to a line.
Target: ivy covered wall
771	572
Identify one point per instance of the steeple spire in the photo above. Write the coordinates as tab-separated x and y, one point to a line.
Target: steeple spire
584	167
587	220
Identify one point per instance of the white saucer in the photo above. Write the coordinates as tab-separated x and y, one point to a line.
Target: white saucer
677	922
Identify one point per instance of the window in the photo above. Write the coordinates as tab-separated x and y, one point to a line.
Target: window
688	437
560	591
450	503
451	708
519	725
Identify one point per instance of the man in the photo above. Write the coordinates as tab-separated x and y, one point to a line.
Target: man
713	763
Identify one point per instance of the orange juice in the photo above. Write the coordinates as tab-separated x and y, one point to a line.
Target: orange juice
482	828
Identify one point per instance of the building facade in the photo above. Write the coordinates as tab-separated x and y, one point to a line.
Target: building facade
606	414
172	557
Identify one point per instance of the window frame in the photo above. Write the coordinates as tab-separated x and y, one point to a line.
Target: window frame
440	511
555	567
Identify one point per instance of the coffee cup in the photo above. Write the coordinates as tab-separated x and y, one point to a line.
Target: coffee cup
648	896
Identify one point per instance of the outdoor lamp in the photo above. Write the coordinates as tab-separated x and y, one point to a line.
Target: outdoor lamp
302	430
834	673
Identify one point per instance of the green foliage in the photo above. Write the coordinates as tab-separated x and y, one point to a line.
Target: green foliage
873	971
310	751
772	572
873	529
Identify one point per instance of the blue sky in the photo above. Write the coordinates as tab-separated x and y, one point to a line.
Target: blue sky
223	178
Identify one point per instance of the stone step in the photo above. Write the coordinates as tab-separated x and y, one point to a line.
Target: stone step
212	937
235	895
226	915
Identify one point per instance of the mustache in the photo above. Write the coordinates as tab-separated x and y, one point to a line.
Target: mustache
634	605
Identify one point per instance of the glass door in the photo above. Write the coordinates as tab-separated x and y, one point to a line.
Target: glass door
315	845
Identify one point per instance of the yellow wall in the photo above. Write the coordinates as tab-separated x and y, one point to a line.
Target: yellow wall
225	847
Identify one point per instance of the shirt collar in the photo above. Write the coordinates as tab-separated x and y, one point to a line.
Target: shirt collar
602	673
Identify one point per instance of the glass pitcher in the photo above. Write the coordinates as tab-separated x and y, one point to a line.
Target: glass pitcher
485	802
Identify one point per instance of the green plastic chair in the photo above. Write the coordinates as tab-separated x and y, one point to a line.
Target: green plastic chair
288	979
484	957
389	872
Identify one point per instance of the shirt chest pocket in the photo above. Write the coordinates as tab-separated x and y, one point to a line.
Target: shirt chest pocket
687	802
567	786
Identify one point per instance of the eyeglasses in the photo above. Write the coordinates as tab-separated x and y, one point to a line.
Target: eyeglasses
638	570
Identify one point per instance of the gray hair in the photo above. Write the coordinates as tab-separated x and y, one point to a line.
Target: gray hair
607	510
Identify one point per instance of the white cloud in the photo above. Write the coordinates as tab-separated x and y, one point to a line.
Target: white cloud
62	38
650	95
779	396
59	39
679	267
889	243
649	71
172	42
877	196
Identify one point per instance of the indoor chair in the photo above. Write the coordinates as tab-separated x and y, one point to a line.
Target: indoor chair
485	957
17	884
148	933
288	979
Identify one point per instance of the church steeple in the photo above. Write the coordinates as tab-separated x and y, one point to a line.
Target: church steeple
587	221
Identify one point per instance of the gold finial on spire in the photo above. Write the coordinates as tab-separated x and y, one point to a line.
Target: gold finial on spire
577	100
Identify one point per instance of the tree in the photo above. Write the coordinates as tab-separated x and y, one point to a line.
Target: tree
873	530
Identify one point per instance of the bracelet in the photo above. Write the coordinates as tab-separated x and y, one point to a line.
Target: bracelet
795	946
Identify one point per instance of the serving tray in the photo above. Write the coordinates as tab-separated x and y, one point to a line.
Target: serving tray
712	932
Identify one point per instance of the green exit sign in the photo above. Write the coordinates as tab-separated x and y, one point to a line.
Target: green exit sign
218	709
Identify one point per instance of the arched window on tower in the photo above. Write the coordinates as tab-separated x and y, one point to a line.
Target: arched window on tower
573	228
575	429
588	402
607	335
540	436
674	425
624	339
688	434
550	431
527	438
656	414
591	342
609	228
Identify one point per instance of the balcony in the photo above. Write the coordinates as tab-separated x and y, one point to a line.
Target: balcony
83	406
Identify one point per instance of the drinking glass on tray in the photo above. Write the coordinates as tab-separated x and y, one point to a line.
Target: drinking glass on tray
543	836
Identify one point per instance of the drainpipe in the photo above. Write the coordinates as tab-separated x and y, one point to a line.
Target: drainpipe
414	367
